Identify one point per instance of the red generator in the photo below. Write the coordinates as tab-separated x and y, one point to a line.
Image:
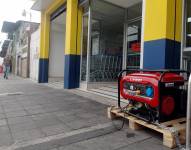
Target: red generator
154	96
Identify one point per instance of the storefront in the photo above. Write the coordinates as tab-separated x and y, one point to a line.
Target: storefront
57	45
186	39
105	36
111	40
60	51
34	54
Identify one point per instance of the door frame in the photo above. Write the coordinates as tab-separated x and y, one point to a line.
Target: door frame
57	13
183	64
84	84
126	22
125	49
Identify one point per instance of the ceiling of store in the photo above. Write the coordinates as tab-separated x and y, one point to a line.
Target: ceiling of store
111	17
61	19
124	3
41	4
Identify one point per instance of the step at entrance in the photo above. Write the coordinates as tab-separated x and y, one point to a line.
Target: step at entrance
109	91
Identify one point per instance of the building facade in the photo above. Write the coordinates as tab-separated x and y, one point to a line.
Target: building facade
34	54
19	35
99	38
5	54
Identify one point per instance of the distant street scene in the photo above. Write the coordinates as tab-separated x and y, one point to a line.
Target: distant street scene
95	74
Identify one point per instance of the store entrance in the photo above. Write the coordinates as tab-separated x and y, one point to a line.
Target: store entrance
111	42
57	52
133	37
186	59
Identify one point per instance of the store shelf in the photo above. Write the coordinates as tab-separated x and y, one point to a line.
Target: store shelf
135	54
187	49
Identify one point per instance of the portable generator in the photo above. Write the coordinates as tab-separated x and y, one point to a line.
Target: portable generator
154	96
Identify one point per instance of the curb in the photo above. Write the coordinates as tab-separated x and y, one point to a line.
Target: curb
64	139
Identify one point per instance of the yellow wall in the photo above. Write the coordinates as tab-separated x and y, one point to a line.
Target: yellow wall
73	28
55	4
79	36
44	36
45	28
179	19
42	27
160	18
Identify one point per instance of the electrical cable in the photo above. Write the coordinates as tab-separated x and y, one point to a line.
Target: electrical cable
123	118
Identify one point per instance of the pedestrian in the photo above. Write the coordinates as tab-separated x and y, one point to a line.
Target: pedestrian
4	70
6	67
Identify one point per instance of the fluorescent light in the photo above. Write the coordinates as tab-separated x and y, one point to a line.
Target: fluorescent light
189	19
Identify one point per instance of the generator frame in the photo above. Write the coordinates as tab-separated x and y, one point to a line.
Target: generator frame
162	72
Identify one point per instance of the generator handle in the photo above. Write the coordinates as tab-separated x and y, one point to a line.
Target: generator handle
188	118
119	80
173	71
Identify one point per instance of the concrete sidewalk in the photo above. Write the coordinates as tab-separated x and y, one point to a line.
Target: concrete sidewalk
33	113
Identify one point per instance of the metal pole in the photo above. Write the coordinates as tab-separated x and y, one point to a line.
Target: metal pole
142	33
188	116
89	43
183	34
125	42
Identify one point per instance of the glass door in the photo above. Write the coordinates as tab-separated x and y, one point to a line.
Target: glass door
188	24
102	43
186	60
133	44
133	36
83	73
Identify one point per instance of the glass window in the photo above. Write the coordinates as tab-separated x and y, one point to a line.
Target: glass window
134	24
134	44
188	24
84	48
106	41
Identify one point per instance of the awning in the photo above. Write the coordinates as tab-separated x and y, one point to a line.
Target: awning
124	3
4	48
40	5
8	27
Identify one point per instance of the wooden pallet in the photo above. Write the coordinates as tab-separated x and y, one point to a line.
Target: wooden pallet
168	136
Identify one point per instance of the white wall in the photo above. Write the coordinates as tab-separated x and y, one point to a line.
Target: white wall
57	46
34	54
1	61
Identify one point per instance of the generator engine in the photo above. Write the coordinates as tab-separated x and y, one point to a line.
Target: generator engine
155	96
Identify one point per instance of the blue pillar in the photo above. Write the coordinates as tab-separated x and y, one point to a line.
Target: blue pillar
43	70
72	71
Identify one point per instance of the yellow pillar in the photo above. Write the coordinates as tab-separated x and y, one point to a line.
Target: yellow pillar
73	44
162	34
44	48
45	39
79	32
71	26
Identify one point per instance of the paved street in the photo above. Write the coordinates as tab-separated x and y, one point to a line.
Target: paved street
32	112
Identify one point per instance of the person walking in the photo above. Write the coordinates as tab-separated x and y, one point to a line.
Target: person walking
6	67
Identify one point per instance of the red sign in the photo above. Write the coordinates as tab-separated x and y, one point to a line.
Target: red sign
136	47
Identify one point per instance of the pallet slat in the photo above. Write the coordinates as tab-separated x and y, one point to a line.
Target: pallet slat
137	124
